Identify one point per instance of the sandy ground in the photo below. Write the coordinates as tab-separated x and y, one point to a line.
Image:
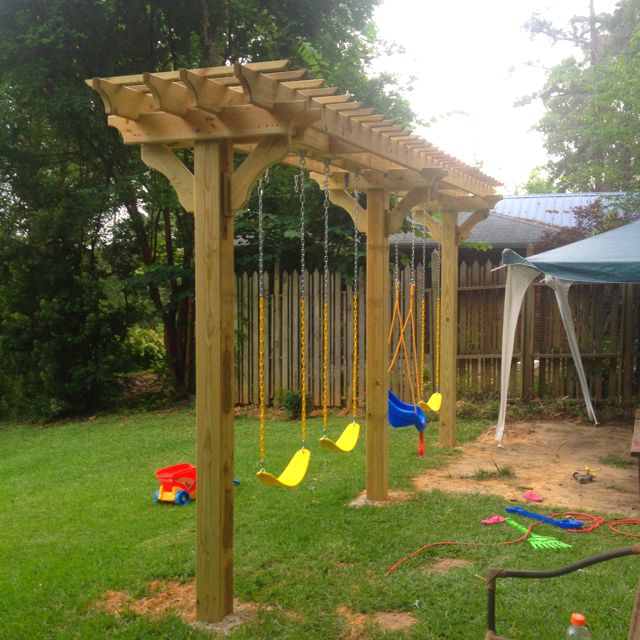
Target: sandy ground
171	597
543	457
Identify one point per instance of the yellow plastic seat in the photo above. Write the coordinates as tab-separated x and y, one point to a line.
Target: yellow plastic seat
293	474
346	442
433	403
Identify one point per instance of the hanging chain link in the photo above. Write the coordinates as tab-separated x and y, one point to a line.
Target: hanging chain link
300	190
423	311
325	206
300	185
261	316
396	265
412	273
356	233
356	278
325	310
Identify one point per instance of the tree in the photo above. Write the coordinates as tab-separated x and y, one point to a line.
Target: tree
61	166
538	183
590	220
590	124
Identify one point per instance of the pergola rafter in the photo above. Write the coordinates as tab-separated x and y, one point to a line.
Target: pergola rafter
271	114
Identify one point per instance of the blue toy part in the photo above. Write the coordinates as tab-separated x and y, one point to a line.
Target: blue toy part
405	406
182	498
563	524
402	414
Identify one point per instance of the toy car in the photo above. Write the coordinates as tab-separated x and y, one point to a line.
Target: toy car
177	484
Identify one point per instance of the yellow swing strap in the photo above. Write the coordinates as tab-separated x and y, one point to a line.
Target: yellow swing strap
437	363
261	375
325	366
303	321
354	380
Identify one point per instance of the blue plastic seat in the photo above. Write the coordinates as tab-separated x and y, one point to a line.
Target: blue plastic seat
403	414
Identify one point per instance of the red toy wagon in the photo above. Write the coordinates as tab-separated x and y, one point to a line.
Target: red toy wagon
177	484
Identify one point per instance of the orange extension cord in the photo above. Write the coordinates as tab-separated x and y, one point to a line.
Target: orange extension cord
593	521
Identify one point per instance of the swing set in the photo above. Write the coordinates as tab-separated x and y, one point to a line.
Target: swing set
297	467
264	111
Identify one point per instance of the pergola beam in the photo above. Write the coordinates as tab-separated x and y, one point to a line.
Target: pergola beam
210	95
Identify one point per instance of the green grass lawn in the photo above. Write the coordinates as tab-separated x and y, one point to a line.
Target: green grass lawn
78	518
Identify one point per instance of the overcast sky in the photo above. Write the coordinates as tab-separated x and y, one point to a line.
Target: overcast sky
474	60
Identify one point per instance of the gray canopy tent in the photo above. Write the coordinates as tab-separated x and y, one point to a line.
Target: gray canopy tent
613	256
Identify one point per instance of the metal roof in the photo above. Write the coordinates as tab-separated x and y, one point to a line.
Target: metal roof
550	208
496	230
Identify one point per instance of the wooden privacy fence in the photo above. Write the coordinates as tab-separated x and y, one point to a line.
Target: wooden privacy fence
606	317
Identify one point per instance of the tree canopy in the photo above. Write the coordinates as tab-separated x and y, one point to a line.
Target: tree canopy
92	242
592	102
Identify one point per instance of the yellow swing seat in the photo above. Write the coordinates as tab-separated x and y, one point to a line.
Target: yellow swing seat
293	474
433	403
346	442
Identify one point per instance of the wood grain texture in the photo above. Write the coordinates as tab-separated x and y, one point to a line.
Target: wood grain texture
214	384
377	321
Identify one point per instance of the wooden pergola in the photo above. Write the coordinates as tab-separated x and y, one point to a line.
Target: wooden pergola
270	114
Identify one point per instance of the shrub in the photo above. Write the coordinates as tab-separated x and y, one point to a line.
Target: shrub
291	402
144	349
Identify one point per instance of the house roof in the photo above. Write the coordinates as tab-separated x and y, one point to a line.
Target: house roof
496	230
550	208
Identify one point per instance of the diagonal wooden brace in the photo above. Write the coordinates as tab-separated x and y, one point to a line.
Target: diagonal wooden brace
161	158
267	152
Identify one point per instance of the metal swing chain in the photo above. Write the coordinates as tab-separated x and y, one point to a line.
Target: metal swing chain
412	274
261	314
325	295
299	187
396	265
412	296
356	243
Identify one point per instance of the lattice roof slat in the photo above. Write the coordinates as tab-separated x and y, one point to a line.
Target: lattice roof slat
247	102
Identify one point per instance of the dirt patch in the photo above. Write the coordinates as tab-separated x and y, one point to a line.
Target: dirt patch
543	457
395	496
447	564
177	598
359	624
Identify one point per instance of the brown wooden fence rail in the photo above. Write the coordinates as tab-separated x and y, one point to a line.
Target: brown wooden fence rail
607	322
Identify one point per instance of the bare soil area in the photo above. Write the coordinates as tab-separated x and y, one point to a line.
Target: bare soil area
360	625
543	457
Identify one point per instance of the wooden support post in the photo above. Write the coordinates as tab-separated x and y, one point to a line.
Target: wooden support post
377	326
449	328
528	319
214	380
